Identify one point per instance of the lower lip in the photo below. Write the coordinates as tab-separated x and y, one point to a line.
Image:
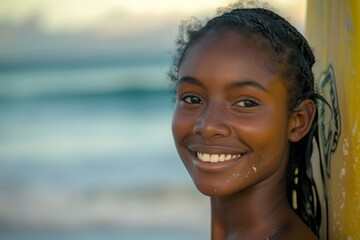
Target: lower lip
215	167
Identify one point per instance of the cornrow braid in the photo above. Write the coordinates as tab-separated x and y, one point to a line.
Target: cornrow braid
292	33
294	60
300	56
255	24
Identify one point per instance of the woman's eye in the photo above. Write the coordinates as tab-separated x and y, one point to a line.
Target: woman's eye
191	100
247	103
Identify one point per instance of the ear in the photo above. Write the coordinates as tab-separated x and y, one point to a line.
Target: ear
301	120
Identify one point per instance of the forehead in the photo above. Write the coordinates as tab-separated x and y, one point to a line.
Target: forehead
229	55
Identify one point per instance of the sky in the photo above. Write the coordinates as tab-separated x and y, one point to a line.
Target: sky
43	30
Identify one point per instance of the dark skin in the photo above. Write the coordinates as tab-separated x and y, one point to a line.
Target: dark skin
232	129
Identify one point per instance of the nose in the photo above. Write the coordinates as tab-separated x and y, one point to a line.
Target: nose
213	122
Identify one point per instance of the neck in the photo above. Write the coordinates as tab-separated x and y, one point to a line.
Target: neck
260	212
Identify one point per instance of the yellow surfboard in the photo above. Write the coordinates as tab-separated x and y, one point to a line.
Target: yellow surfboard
333	31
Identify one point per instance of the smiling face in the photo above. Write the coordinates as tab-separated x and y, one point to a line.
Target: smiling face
231	122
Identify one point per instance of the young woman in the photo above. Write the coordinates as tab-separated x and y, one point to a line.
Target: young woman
244	121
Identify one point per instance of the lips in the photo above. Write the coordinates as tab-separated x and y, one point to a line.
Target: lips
215	158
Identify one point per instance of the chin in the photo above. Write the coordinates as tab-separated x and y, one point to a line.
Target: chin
213	190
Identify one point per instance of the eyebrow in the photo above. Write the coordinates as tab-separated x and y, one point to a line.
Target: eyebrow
238	84
189	80
246	83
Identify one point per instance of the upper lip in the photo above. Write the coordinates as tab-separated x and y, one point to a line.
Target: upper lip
216	149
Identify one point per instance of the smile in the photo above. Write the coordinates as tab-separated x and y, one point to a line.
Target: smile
214	158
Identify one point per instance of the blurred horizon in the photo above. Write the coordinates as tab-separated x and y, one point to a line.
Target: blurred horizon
39	31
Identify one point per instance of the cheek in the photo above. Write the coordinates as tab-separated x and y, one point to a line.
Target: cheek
267	136
267	139
182	125
265	126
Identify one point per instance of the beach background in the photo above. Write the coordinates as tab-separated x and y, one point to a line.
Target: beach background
86	150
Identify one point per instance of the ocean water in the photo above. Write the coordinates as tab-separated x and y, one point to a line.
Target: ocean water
87	153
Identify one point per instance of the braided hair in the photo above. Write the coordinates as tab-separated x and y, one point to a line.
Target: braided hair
294	60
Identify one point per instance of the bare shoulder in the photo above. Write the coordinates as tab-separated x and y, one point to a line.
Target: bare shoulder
303	233
295	229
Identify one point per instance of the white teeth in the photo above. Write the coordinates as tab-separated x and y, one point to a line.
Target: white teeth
206	157
214	158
